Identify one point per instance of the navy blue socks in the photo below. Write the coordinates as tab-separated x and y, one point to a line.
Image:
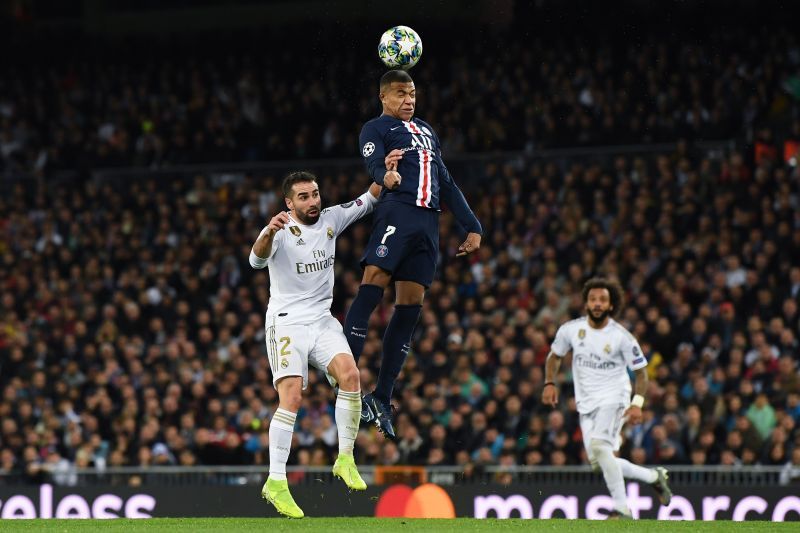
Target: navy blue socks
396	343
357	320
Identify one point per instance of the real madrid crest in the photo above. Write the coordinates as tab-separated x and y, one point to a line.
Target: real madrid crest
284	363
295	230
581	333
330	233
607	348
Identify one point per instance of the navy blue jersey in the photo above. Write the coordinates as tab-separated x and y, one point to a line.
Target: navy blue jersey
426	182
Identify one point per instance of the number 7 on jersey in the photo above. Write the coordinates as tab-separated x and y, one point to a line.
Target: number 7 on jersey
389	231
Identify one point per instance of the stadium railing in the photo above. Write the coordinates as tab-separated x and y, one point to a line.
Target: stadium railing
739	476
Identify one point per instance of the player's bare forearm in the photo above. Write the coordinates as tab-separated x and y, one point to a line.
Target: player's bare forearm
640	382
375	190
263	245
634	412
550	389
551	367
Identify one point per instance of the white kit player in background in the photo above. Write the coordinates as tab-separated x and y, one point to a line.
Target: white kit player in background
602	352
299	247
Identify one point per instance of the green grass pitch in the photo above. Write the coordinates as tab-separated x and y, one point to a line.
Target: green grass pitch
383	525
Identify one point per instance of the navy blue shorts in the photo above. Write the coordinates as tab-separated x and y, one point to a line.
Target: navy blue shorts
404	242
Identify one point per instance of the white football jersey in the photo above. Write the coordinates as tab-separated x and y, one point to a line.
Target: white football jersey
600	362
301	263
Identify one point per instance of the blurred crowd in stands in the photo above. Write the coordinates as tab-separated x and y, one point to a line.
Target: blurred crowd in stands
200	102
131	325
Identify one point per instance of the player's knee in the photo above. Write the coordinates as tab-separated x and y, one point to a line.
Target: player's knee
600	448
292	401
291	395
349	380
376	276
409	293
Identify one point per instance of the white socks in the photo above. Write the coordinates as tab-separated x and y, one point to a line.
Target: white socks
281	428
280	442
348	417
639	473
612	472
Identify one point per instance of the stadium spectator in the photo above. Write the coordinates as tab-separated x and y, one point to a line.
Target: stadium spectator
130	325
186	102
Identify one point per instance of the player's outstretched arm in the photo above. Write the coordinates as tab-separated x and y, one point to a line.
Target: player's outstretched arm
345	214
262	248
550	390
452	196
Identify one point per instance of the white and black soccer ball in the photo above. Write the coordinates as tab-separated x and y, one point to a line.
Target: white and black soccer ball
400	47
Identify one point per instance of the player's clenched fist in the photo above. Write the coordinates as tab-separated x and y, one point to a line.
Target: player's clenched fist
550	395
471	244
634	415
391	180
278	222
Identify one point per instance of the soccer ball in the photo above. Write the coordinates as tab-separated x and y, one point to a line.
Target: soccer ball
400	47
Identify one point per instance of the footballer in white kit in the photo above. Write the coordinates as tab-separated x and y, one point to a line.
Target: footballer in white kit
602	353
600	362
299	247
300	329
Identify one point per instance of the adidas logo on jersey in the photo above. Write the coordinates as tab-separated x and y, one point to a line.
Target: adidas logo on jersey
301	242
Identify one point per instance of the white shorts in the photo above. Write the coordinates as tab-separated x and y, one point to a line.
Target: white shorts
291	348
604	423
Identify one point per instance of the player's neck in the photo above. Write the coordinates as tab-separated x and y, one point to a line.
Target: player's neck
388	114
595	325
300	221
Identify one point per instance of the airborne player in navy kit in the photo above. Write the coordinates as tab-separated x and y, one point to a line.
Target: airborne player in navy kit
404	155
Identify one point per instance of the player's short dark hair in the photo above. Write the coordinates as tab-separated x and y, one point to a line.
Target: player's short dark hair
399	76
301	176
614	292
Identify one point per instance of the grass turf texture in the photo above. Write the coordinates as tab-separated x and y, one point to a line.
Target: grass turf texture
384	525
